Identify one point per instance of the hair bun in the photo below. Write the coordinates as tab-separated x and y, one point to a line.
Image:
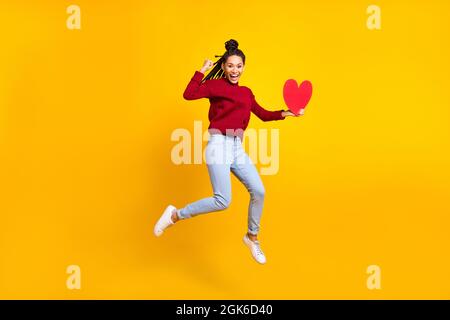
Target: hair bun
231	45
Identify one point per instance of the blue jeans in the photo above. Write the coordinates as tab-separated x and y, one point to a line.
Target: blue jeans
224	154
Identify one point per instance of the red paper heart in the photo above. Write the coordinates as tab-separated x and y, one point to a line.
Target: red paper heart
297	97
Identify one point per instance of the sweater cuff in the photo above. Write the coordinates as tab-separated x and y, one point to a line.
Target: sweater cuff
280	116
198	76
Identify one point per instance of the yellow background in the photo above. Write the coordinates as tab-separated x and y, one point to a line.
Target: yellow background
85	123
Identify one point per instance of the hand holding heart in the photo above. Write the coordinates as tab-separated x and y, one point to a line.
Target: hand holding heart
289	113
297	97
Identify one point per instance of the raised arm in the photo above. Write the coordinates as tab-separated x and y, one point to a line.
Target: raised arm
195	89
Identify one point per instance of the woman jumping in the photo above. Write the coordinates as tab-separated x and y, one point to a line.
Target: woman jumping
229	114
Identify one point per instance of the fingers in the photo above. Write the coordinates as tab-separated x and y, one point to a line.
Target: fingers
207	64
300	113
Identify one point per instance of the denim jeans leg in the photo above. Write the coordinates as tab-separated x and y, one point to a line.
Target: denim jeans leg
244	169
219	173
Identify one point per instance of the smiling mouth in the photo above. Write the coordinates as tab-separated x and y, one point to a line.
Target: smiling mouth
234	77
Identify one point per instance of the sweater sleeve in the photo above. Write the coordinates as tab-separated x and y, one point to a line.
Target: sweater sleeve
263	114
195	89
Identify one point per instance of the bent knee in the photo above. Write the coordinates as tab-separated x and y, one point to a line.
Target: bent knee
259	193
222	202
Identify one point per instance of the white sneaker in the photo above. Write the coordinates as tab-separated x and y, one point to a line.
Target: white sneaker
255	249
164	221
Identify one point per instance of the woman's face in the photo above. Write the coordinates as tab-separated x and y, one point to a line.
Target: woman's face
233	68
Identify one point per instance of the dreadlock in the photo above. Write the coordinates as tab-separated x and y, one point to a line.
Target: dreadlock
232	49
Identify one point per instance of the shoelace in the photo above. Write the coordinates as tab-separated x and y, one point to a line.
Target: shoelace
258	248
